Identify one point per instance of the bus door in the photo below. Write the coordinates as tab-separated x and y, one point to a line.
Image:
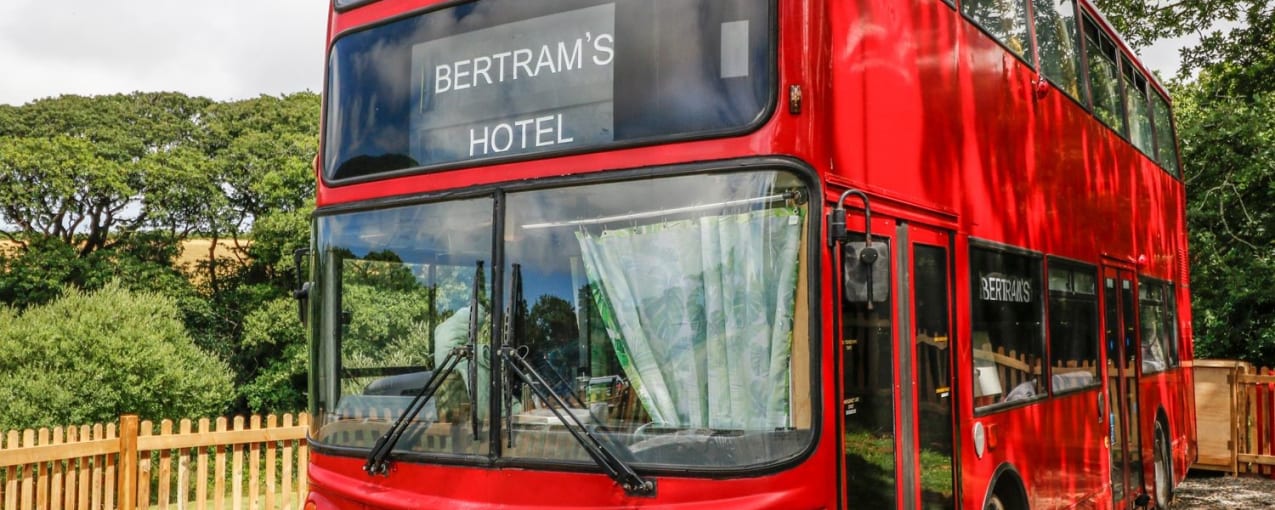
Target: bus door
1121	355
897	397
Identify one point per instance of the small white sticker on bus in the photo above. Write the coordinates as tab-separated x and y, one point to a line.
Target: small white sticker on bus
735	49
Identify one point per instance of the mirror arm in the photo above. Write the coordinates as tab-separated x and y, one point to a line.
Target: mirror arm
302	292
838	235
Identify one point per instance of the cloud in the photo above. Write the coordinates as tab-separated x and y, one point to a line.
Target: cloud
225	50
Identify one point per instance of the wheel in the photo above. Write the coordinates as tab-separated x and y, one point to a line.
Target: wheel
1163	468
994	503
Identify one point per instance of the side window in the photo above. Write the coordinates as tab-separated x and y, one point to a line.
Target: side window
1135	104
1005	20
1104	84
1073	326
1057	44
1008	338
1159	334
1165	135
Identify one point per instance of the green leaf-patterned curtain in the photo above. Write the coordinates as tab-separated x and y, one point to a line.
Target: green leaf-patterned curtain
700	313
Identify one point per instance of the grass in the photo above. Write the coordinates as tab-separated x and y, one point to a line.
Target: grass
875	453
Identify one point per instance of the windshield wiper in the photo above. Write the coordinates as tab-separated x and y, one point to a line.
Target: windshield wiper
378	459
617	469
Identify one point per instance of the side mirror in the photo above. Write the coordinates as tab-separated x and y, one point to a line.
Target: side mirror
866	271
302	292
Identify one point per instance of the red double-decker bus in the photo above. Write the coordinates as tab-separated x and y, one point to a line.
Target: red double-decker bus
745	254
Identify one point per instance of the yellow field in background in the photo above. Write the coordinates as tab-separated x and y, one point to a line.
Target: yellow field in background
192	253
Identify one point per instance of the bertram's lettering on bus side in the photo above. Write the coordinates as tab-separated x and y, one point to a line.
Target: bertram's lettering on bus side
523	87
1000	287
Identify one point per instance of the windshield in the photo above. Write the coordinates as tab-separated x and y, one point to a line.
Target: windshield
493	79
669	314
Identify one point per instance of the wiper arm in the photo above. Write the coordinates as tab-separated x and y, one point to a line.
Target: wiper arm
475	301
378	459
617	469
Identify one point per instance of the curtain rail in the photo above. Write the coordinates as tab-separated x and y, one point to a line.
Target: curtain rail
789	195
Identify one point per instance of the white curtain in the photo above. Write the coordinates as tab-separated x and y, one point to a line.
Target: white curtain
700	313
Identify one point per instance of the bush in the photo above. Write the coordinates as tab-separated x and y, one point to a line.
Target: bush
89	357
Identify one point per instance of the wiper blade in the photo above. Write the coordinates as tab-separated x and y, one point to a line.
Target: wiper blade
475	301
617	469
378	459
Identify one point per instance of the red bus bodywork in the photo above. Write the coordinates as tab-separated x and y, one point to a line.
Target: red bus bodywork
942	127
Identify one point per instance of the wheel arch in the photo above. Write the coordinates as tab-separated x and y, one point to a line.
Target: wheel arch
1008	483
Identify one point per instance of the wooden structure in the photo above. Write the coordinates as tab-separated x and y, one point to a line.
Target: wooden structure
247	464
1235	417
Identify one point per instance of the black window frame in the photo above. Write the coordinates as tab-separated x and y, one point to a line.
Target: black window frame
1141	85
1172	354
1073	267
811	248
1038	258
768	112
345	5
1106	48
1159	98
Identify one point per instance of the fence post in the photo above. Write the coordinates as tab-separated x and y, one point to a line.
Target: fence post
127	468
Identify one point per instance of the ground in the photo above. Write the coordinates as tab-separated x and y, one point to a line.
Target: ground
1214	491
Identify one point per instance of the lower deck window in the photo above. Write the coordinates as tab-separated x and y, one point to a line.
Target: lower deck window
1008	338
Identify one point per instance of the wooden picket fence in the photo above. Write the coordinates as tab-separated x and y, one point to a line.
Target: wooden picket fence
135	466
1235	417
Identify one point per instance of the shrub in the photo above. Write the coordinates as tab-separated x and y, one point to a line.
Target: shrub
90	356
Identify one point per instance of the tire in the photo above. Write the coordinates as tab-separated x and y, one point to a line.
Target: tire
1163	468
994	503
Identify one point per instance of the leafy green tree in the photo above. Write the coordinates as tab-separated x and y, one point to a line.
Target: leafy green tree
89	357
1228	145
276	341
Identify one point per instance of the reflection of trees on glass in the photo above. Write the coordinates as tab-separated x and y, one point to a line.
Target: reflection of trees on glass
1104	84
552	337
1166	142
1056	42
1006	20
1135	101
869	404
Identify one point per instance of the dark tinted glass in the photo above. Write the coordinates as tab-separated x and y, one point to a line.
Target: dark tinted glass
1073	327
1008	334
1159	338
1166	140
1135	100
498	78
1104	81
868	403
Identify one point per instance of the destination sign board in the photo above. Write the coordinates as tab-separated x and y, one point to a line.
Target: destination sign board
535	85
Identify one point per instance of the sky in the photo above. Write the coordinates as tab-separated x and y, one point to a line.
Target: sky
222	49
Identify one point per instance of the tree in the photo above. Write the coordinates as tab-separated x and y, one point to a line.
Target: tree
89	357
73	167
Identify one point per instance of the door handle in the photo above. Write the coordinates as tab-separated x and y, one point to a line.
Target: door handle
1102	406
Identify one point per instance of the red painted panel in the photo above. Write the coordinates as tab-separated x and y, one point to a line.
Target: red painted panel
905	100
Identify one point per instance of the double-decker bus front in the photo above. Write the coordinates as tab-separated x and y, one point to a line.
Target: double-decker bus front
557	261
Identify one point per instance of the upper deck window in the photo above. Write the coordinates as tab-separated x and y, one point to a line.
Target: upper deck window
493	79
1104	80
1058	44
1135	101
1166	139
1006	20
